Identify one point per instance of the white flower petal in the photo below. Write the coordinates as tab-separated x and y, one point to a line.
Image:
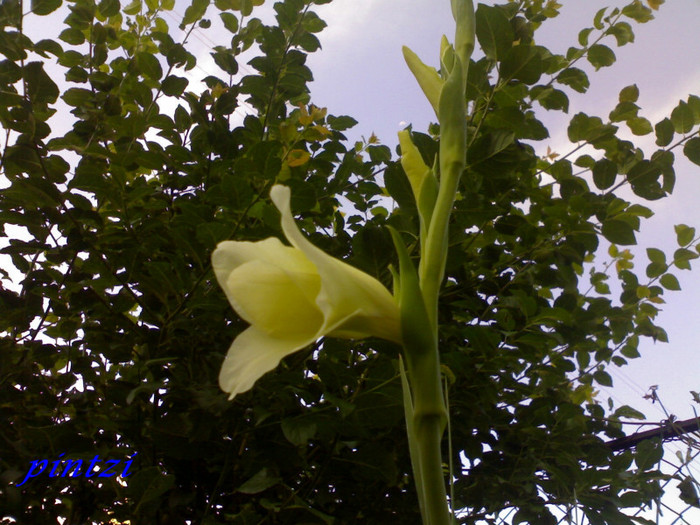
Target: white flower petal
278	299
348	296
252	354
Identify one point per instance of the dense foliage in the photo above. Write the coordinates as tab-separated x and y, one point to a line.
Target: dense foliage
120	175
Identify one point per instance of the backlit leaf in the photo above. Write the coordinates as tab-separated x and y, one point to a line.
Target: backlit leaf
494	32
691	149
684	234
604	173
522	63
298	157
618	232
600	55
44	7
639	126
682	118
670	282
629	94
664	132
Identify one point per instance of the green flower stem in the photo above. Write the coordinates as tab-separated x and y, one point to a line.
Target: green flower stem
453	145
418	292
429	418
426	412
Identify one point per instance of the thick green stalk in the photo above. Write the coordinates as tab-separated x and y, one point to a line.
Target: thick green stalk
425	408
419	291
453	144
429	419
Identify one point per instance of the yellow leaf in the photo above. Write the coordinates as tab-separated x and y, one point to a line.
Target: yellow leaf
305	119
297	157
654	4
318	114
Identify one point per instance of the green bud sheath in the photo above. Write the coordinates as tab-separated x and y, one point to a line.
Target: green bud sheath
463	13
427	77
417	334
453	146
422	179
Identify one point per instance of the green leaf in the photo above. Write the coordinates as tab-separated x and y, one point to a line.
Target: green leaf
682	117
194	12
312	23
585	128
656	255
600	55
682	258
522	63
148	65
622	32
694	103
655	269
648	453
583	36
623	111
225	59
670	282
664	132
40	88
688	491
45	7
691	149
341	123
298	431
604	173
133	8
72	36
637	12
629	94
230	21
627	411
639	126
173	86
148	484
260	482
575	78
618	232
598	18
183	120
550	98
603	378
684	234
399	187
494	32
109	7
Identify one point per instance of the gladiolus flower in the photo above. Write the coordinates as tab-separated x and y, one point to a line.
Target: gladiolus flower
292	296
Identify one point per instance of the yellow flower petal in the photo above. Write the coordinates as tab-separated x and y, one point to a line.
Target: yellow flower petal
277	300
230	255
252	354
291	296
354	303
